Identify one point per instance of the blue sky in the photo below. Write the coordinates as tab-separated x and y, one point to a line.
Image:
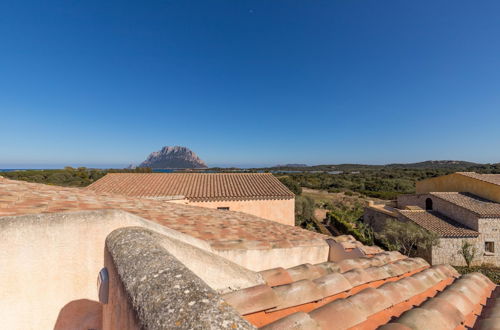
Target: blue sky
104	83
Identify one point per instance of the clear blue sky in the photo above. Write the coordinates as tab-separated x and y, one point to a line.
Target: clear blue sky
104	83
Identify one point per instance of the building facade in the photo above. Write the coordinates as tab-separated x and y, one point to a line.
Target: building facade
459	207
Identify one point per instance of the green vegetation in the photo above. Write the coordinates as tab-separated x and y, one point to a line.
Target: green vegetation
304	213
406	237
384	182
304	205
291	184
69	177
357	229
468	251
493	273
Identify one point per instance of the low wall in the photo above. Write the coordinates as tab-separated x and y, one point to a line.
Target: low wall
376	218
262	259
279	210
49	265
151	289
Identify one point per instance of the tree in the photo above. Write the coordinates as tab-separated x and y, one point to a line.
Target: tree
468	251
407	237
294	186
304	210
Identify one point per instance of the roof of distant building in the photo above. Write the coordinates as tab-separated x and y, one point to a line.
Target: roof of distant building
490	178
194	186
478	205
438	223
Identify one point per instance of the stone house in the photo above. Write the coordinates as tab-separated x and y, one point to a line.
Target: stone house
259	194
462	206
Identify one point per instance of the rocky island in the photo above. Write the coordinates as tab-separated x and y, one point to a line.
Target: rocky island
175	157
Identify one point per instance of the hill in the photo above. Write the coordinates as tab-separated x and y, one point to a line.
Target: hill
455	165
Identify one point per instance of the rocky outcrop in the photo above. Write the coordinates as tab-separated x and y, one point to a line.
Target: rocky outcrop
173	157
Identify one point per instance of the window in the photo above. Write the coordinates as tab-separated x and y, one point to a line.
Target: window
428	204
489	247
224	208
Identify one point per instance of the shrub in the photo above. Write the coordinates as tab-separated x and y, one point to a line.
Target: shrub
406	237
304	210
493	273
468	251
294	186
358	230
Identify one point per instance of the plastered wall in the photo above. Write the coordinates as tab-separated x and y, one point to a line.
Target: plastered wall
279	210
49	265
460	183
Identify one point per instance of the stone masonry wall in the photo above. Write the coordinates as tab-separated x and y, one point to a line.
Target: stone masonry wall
447	252
375	218
457	213
490	232
411	200
448	209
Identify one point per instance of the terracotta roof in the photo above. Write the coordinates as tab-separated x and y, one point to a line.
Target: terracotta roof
194	186
491	178
312	283
480	206
366	297
222	230
388	291
458	306
438	223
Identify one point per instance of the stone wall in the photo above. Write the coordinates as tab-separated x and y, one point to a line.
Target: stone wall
411	200
376	218
457	213
279	210
286	257
447	252
490	232
151	289
448	249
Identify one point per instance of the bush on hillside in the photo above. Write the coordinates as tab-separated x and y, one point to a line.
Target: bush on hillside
406	237
493	273
291	184
358	230
304	213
